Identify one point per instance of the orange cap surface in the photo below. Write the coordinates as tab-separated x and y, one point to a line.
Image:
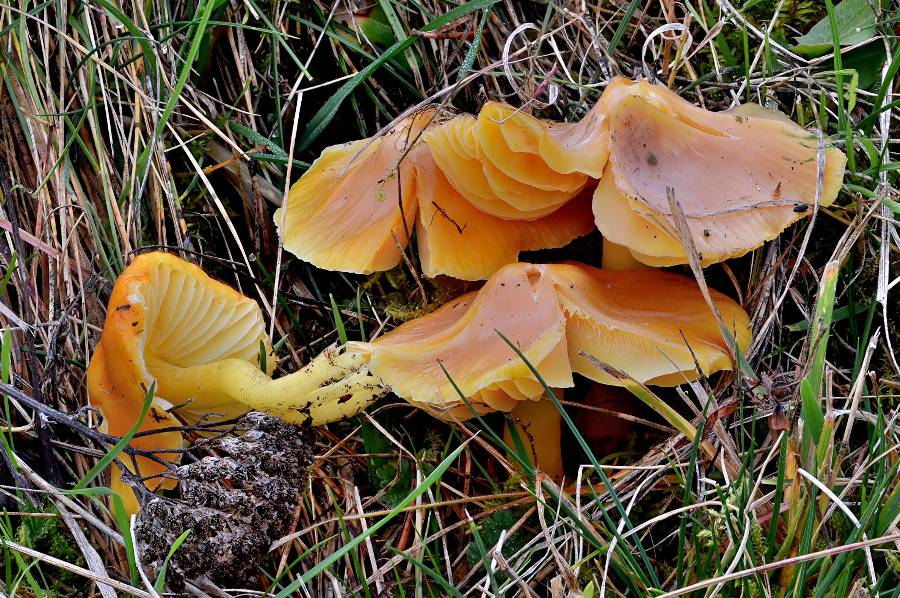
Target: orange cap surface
354	208
740	176
478	163
647	323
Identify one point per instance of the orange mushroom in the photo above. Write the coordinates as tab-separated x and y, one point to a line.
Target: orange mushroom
575	148
653	325
462	338
354	210
740	176
200	342
636	321
163	309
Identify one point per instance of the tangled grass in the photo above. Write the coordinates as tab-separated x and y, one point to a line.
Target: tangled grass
130	125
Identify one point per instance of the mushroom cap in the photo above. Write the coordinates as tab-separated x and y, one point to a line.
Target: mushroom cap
456	238
648	323
462	335
456	147
738	175
574	148
498	123
356	203
165	310
553	314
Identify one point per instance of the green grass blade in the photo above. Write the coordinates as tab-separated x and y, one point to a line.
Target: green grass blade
117	448
338	320
811	385
160	583
623	25
432	478
326	113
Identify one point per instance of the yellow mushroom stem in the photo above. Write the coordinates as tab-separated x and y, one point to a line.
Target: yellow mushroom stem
618	257
334	385
537	424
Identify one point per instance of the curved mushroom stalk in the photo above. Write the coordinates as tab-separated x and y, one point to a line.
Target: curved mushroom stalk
538	425
335	385
165	309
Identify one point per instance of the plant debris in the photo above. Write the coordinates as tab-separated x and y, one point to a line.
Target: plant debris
236	502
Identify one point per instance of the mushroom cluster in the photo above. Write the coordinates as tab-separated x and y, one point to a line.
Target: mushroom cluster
201	345
479	190
357	206
644	166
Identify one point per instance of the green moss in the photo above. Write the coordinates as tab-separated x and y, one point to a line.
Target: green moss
50	536
490	532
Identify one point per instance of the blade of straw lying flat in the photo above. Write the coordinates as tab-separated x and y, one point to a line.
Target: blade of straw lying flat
690	249
87	573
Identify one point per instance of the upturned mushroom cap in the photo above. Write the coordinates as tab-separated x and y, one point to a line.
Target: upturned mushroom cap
576	148
456	238
462	336
457	148
165	310
353	206
347	212
740	176
513	141
650	324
